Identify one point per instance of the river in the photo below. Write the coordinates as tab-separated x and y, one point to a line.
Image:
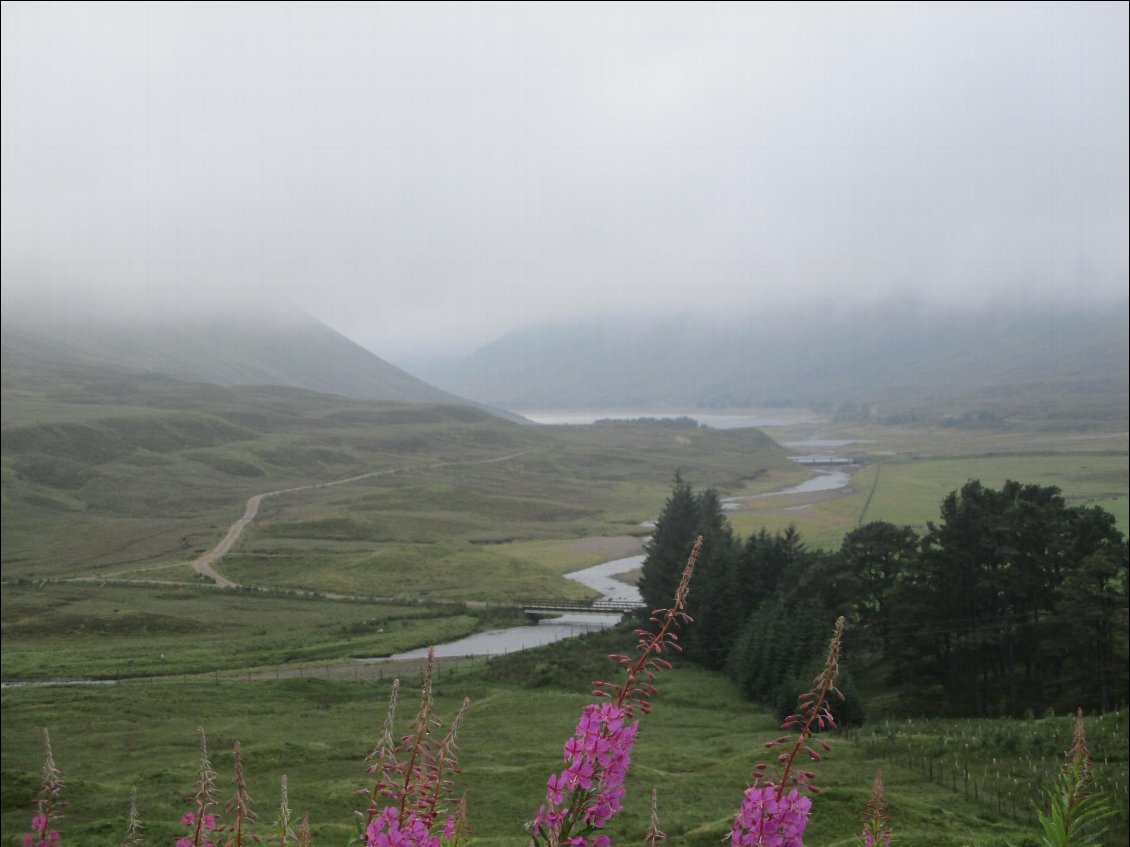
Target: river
497	641
823	480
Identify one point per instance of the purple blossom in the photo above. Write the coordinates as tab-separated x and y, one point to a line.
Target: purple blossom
770	819
41	836
386	830
590	789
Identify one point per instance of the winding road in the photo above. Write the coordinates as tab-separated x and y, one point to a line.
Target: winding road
205	565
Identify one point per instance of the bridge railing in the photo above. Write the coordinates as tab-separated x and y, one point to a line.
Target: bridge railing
581	606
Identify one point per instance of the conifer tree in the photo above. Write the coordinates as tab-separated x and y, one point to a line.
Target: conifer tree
676	530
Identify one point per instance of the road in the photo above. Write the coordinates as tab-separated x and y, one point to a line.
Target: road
205	565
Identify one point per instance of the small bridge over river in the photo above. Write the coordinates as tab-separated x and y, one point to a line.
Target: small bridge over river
547	609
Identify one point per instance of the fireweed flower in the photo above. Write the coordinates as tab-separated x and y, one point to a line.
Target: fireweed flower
135	832
876	829
411	789
391	829
283	830
240	807
773	813
583	797
201	820
48	805
1076	812
654	834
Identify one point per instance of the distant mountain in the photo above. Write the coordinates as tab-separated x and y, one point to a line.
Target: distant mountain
887	363
284	348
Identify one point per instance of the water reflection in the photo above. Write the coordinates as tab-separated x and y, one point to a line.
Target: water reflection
498	641
822	481
600	578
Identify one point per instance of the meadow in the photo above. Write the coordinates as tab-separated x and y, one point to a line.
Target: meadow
69	630
697	748
139	487
906	472
111	491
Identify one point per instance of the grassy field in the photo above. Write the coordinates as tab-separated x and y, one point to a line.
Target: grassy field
111	490
91	488
81	630
907	473
697	749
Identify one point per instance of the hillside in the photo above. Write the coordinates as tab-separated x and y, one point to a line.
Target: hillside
885	364
115	474
283	347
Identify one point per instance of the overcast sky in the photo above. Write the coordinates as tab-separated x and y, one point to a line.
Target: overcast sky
424	177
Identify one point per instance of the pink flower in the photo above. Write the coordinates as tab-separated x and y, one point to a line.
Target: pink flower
599	755
386	830
768	820
553	789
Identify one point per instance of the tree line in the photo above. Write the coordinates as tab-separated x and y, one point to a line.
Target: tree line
1012	602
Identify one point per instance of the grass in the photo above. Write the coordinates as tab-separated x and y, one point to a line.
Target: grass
97	488
449	570
79	630
1007	763
909	473
697	748
100	483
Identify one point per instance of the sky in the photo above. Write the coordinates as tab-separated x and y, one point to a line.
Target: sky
426	177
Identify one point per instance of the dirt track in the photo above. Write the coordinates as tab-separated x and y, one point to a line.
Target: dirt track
205	565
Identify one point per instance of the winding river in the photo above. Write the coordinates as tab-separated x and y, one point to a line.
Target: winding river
497	641
600	578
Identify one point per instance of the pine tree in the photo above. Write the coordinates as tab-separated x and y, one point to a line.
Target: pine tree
676	529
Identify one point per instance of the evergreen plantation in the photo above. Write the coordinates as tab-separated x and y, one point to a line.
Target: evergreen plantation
1012	603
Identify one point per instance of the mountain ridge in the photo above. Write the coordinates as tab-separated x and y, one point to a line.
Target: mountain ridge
884	362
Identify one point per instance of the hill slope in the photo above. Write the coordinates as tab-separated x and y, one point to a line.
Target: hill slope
287	348
892	362
116	474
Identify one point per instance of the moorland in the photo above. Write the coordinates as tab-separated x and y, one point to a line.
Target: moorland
115	484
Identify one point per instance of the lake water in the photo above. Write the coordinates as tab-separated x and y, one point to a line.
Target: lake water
722	419
498	641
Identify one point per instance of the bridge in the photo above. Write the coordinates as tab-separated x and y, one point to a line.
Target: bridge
540	609
824	460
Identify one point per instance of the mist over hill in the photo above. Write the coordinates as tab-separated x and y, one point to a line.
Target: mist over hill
279	346
890	363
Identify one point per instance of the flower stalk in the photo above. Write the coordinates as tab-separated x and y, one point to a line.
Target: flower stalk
48	803
876	823
773	812
588	793
1075	812
201	820
135	832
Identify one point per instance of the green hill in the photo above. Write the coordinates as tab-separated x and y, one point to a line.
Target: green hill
115	474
